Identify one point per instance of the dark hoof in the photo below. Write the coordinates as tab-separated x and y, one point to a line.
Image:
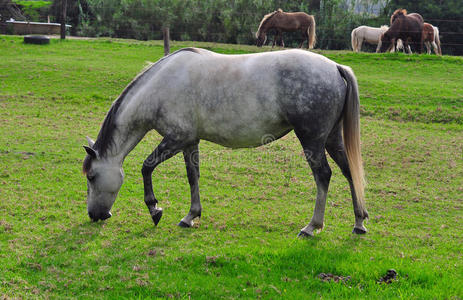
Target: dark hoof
303	235
183	224
156	216
359	230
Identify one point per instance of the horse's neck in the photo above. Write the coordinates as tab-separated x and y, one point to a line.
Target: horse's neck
270	23
125	137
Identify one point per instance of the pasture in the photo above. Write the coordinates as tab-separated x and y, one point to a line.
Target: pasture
255	201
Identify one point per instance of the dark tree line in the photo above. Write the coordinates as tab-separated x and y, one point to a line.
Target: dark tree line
236	21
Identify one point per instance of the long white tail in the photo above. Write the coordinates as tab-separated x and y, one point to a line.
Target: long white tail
312	33
354	41
351	134
437	40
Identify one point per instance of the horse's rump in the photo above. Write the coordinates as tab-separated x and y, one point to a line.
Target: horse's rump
428	33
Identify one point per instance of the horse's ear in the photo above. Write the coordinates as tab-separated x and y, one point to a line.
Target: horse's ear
90	142
93	153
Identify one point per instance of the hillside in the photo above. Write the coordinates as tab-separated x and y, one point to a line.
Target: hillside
255	201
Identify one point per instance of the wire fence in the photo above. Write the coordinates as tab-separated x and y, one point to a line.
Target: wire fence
228	24
223	27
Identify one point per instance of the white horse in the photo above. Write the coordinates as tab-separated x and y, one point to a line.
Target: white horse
367	34
234	101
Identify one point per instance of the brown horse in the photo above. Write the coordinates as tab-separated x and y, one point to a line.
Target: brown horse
407	27
431	38
287	22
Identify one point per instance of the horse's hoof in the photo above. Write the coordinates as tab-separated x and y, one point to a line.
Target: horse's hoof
183	224
156	216
304	234
359	230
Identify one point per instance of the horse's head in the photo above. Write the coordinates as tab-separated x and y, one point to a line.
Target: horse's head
386	42
261	38
397	13
104	179
264	26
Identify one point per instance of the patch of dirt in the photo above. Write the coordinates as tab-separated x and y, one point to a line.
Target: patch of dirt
6	226
391	275
327	277
211	260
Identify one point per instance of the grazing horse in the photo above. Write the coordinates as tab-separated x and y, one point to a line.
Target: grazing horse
368	34
281	21
234	101
431	38
407	27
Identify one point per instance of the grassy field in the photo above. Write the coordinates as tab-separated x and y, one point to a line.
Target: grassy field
254	200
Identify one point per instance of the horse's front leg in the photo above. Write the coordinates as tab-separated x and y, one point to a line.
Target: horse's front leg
165	150
407	47
191	156
305	36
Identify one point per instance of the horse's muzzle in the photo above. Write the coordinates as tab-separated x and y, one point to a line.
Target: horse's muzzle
99	216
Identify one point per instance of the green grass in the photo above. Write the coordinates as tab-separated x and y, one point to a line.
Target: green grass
32	4
254	200
36	10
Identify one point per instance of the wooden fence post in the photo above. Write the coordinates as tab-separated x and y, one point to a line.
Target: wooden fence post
165	34
63	19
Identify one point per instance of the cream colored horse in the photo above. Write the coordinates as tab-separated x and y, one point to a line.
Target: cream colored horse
367	34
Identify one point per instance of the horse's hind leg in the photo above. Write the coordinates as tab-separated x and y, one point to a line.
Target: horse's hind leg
315	154
360	43
165	150
434	47
305	37
335	148
428	47
191	156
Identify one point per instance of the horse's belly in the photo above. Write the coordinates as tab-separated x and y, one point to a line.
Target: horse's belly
244	134
246	140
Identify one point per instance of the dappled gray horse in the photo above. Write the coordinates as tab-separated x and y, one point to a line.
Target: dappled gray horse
234	101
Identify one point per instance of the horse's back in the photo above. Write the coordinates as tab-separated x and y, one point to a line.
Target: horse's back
234	100
416	16
294	20
371	34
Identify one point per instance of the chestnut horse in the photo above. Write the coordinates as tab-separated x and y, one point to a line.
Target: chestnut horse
287	22
431	38
407	27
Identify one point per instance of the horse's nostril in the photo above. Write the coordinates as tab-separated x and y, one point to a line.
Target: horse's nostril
105	216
